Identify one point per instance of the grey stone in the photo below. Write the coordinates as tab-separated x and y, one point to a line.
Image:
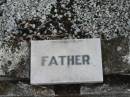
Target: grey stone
107	19
66	61
2	1
1	12
104	19
9	57
24	89
115	54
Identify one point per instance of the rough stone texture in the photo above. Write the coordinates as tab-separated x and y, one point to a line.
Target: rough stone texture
10	58
97	18
23	20
24	89
115	54
112	84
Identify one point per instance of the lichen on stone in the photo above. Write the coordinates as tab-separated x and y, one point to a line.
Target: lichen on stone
95	18
15	52
25	20
10	60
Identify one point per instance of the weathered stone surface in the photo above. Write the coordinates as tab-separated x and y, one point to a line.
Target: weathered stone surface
114	85
100	95
15	62
108	19
2	1
1	12
24	89
23	20
94	17
115	54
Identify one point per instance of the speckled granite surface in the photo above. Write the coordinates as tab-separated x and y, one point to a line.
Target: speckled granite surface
108	18
25	20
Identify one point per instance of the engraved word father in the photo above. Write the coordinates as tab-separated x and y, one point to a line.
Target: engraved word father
66	60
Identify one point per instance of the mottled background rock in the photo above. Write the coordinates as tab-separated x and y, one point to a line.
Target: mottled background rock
25	20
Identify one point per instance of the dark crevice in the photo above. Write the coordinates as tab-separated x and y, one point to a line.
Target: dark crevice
2	1
1	12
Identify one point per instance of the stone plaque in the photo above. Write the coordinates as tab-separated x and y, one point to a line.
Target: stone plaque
66	61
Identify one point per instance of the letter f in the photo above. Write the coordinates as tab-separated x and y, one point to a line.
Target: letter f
43	60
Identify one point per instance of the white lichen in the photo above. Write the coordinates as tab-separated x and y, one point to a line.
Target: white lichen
24	9
6	55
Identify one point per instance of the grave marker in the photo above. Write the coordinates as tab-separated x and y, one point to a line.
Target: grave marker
66	61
